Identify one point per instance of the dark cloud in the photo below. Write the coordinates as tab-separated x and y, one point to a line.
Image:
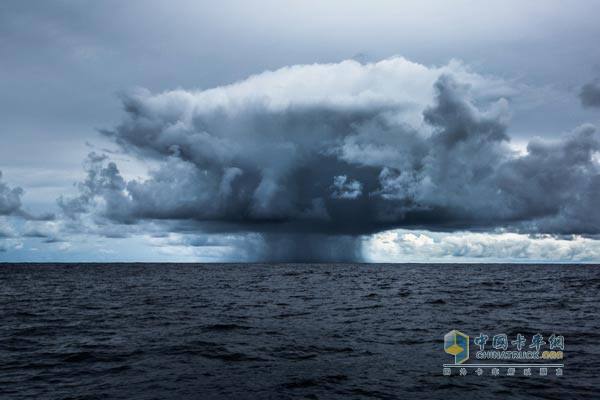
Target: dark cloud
590	94
555	188
298	247
313	169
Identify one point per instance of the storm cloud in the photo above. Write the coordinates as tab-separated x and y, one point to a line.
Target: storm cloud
313	156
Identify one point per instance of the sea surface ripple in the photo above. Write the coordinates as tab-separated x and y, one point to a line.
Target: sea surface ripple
258	331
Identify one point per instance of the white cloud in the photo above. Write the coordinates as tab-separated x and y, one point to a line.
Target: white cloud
396	82
423	246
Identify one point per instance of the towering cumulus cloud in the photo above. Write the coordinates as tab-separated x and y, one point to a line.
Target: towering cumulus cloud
313	156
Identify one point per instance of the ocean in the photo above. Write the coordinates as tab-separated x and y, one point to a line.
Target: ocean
313	331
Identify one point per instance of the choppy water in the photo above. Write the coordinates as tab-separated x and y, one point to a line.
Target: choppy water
146	331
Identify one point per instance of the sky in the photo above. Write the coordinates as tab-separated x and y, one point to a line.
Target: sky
383	131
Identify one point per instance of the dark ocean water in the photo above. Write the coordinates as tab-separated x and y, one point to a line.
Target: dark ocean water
145	331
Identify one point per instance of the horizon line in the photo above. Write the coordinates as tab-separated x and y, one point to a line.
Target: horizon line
594	263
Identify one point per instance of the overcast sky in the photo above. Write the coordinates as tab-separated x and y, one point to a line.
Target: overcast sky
269	130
